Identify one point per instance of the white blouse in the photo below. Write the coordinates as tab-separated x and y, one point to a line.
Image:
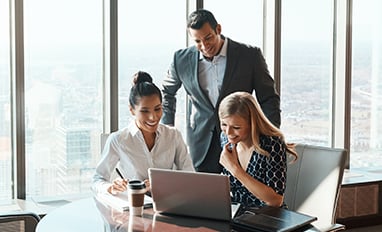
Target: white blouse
127	146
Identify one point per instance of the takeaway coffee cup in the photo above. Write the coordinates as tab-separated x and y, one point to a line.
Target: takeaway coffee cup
136	190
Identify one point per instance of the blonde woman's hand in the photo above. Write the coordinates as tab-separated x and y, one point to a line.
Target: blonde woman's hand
229	158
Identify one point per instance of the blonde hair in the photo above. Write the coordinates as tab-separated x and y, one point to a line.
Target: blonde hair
246	106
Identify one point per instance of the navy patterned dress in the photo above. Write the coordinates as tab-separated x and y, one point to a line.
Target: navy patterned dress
269	170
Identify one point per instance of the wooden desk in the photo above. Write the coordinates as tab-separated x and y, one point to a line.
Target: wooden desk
91	215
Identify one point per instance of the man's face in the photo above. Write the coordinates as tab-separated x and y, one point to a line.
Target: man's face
207	40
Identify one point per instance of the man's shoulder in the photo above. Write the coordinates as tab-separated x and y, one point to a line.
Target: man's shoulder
240	45
186	51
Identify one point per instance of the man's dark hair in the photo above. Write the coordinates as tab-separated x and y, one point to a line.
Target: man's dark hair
198	18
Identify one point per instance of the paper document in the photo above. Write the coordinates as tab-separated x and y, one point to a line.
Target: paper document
121	201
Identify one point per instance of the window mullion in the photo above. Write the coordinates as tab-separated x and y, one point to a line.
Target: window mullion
18	104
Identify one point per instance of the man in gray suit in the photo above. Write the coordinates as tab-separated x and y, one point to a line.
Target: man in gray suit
215	67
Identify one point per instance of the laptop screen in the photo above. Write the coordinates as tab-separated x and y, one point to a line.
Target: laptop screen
195	194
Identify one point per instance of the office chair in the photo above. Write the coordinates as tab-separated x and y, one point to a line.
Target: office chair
314	182
19	222
103	139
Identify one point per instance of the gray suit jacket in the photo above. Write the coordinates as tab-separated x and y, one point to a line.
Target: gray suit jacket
246	70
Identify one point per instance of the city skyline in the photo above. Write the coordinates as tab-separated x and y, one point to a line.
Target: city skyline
68	98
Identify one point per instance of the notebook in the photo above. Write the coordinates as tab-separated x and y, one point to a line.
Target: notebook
272	219
195	194
120	201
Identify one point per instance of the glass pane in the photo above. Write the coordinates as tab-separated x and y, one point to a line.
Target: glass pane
63	96
366	95
149	46
306	71
5	105
240	20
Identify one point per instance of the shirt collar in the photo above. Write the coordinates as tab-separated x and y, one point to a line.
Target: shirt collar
223	51
134	130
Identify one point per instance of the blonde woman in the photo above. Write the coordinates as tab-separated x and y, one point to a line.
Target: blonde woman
254	152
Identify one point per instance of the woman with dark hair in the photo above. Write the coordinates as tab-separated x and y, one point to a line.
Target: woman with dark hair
143	144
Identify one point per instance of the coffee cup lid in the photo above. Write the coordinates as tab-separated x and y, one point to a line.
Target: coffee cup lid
136	184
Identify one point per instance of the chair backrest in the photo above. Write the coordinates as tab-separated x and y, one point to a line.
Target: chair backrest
314	182
103	138
19	222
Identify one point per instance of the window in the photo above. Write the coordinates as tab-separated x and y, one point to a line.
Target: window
366	94
149	46
5	105
64	61
306	71
63	96
241	21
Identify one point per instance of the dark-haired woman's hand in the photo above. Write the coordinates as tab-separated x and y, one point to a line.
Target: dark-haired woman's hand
119	185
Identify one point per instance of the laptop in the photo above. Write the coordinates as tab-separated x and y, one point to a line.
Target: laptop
207	195
195	194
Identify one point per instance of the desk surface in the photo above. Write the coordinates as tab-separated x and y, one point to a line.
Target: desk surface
91	215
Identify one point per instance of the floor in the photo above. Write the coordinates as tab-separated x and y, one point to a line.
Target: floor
367	229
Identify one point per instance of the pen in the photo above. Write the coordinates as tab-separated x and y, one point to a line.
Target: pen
119	173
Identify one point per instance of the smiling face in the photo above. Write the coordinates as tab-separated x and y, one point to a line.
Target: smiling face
148	113
207	40
237	129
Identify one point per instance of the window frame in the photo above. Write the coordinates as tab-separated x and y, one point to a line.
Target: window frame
342	56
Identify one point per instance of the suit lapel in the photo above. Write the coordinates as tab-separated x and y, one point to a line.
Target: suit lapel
232	58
